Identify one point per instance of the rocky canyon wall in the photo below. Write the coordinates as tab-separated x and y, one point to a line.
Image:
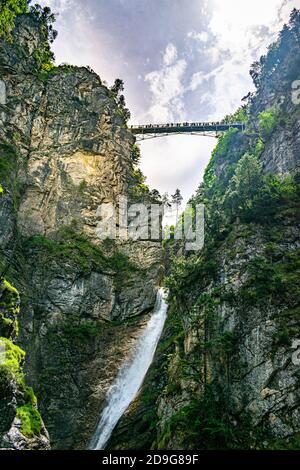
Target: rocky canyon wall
226	373
65	149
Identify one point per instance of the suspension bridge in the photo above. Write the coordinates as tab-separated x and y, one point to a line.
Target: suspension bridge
211	129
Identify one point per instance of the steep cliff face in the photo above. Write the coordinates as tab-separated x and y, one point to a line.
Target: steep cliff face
21	425
277	81
226	374
65	149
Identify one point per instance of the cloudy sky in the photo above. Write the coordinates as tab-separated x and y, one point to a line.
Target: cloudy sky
181	60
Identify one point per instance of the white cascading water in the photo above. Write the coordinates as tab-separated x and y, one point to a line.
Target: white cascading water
131	375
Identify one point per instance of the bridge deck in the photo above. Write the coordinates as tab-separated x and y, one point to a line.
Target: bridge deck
185	127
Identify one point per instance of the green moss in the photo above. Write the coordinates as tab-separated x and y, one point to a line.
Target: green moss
11	359
275	279
8	12
29	396
7	162
11	362
82	186
288	443
83	330
76	248
31	421
10	288
9	300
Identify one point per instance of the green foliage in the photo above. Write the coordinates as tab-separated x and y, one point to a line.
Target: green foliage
186	273
116	93
223	148
9	9
205	423
82	186
29	396
135	154
202	425
77	249
11	359
276	280
241	202
244	185
9	308
240	115
7	162
268	121
43	55
287	443
259	147
290	443
263	71
139	191
81	330
31	421
71	246
222	344
44	60
46	19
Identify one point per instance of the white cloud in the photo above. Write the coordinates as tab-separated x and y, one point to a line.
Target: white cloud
59	6
236	34
202	36
166	88
197	79
242	32
170	54
176	162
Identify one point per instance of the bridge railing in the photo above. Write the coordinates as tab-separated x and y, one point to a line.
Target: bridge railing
186	126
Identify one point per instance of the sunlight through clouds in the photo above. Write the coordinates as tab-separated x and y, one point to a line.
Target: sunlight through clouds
166	87
189	62
242	30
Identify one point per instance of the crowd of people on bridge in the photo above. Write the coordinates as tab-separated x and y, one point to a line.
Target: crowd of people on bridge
187	124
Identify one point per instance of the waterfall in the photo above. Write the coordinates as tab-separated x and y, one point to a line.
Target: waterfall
131	375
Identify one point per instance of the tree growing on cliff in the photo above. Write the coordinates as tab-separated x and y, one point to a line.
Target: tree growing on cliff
135	154
9	9
47	18
268	120
43	55
177	200
244	186
116	91
117	87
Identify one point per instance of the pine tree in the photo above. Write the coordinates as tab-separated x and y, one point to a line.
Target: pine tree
177	200
244	185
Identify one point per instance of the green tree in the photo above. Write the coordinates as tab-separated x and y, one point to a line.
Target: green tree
177	200
267	122
135	154
9	9
155	195
244	186
116	91
47	18
241	114
117	87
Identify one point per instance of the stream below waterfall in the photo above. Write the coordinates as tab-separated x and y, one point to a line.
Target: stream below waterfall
131	375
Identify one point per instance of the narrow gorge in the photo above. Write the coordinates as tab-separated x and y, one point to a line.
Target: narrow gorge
83	319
